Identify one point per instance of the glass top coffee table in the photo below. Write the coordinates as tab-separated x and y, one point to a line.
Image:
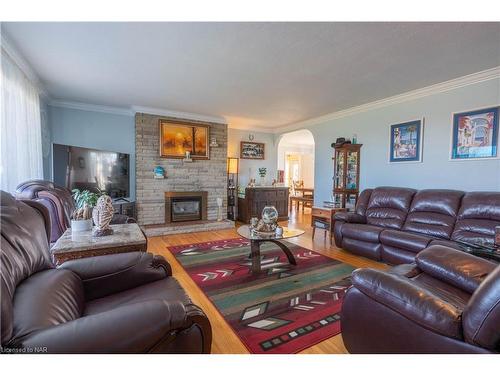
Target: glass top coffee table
255	241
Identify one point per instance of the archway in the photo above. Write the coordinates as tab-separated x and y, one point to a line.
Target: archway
296	157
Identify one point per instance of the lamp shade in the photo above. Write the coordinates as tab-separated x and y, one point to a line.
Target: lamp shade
232	165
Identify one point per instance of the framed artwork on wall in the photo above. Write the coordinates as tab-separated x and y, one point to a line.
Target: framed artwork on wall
252	150
180	138
475	134
406	142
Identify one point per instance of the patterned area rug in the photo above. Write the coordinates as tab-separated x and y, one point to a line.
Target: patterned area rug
284	309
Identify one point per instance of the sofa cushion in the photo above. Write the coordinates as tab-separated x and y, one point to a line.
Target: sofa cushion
396	256
362	202
45	299
388	206
404	240
433	212
363	232
478	217
365	249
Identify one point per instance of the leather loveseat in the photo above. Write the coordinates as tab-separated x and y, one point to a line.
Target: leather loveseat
121	303
59	202
448	302
394	224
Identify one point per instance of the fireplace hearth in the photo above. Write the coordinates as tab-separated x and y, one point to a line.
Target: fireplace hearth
185	206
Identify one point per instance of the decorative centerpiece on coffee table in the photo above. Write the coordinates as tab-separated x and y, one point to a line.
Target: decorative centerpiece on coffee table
268	224
267	230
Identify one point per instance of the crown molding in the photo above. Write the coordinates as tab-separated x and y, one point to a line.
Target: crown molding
453	84
176	114
92	107
23	64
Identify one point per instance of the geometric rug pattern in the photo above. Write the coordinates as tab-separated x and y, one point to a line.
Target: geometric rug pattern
285	308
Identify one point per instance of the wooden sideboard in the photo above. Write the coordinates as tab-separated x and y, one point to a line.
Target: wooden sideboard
257	198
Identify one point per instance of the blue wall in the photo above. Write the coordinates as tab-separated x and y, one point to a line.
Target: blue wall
102	131
436	170
250	168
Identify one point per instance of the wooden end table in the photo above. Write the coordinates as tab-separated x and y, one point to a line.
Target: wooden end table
325	216
255	241
125	238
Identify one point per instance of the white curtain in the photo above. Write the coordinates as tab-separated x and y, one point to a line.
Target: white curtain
21	138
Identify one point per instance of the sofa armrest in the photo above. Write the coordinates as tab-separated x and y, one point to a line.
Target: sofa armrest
109	274
413	302
350	217
455	267
134	328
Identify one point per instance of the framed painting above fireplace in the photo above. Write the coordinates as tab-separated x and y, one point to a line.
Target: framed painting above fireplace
180	138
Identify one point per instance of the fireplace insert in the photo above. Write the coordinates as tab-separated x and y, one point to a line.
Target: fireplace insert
185	206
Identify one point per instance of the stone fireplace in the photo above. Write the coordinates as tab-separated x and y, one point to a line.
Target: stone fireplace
181	206
185	179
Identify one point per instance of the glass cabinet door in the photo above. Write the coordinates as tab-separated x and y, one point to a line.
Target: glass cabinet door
352	170
339	169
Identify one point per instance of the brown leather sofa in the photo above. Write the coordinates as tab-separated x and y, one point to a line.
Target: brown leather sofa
448	302
59	202
393	224
122	303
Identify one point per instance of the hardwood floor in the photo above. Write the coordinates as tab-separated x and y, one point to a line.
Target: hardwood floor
225	340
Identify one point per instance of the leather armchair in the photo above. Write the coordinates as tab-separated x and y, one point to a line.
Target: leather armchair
447	302
59	201
121	303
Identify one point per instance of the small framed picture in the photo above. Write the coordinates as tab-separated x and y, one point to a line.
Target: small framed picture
475	134
406	142
252	150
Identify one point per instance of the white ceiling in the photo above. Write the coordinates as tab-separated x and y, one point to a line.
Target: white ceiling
253	74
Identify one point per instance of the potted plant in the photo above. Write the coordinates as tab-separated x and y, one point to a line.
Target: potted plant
81	219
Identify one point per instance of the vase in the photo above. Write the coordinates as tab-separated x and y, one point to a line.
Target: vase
219	209
81	225
262	181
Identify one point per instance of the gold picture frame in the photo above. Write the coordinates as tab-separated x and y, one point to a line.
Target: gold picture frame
177	137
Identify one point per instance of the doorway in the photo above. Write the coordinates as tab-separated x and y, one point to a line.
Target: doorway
296	158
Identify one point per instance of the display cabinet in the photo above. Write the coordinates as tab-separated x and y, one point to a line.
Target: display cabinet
346	163
256	198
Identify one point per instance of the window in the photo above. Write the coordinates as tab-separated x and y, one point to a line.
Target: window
20	133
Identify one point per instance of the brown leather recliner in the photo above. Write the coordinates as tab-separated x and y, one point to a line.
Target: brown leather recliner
121	303
448	302
59	202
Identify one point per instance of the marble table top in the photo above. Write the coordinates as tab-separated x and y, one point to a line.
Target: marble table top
123	235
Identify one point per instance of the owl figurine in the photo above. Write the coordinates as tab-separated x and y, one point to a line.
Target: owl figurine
102	215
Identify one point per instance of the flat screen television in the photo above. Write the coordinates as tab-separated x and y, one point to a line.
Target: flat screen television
89	169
